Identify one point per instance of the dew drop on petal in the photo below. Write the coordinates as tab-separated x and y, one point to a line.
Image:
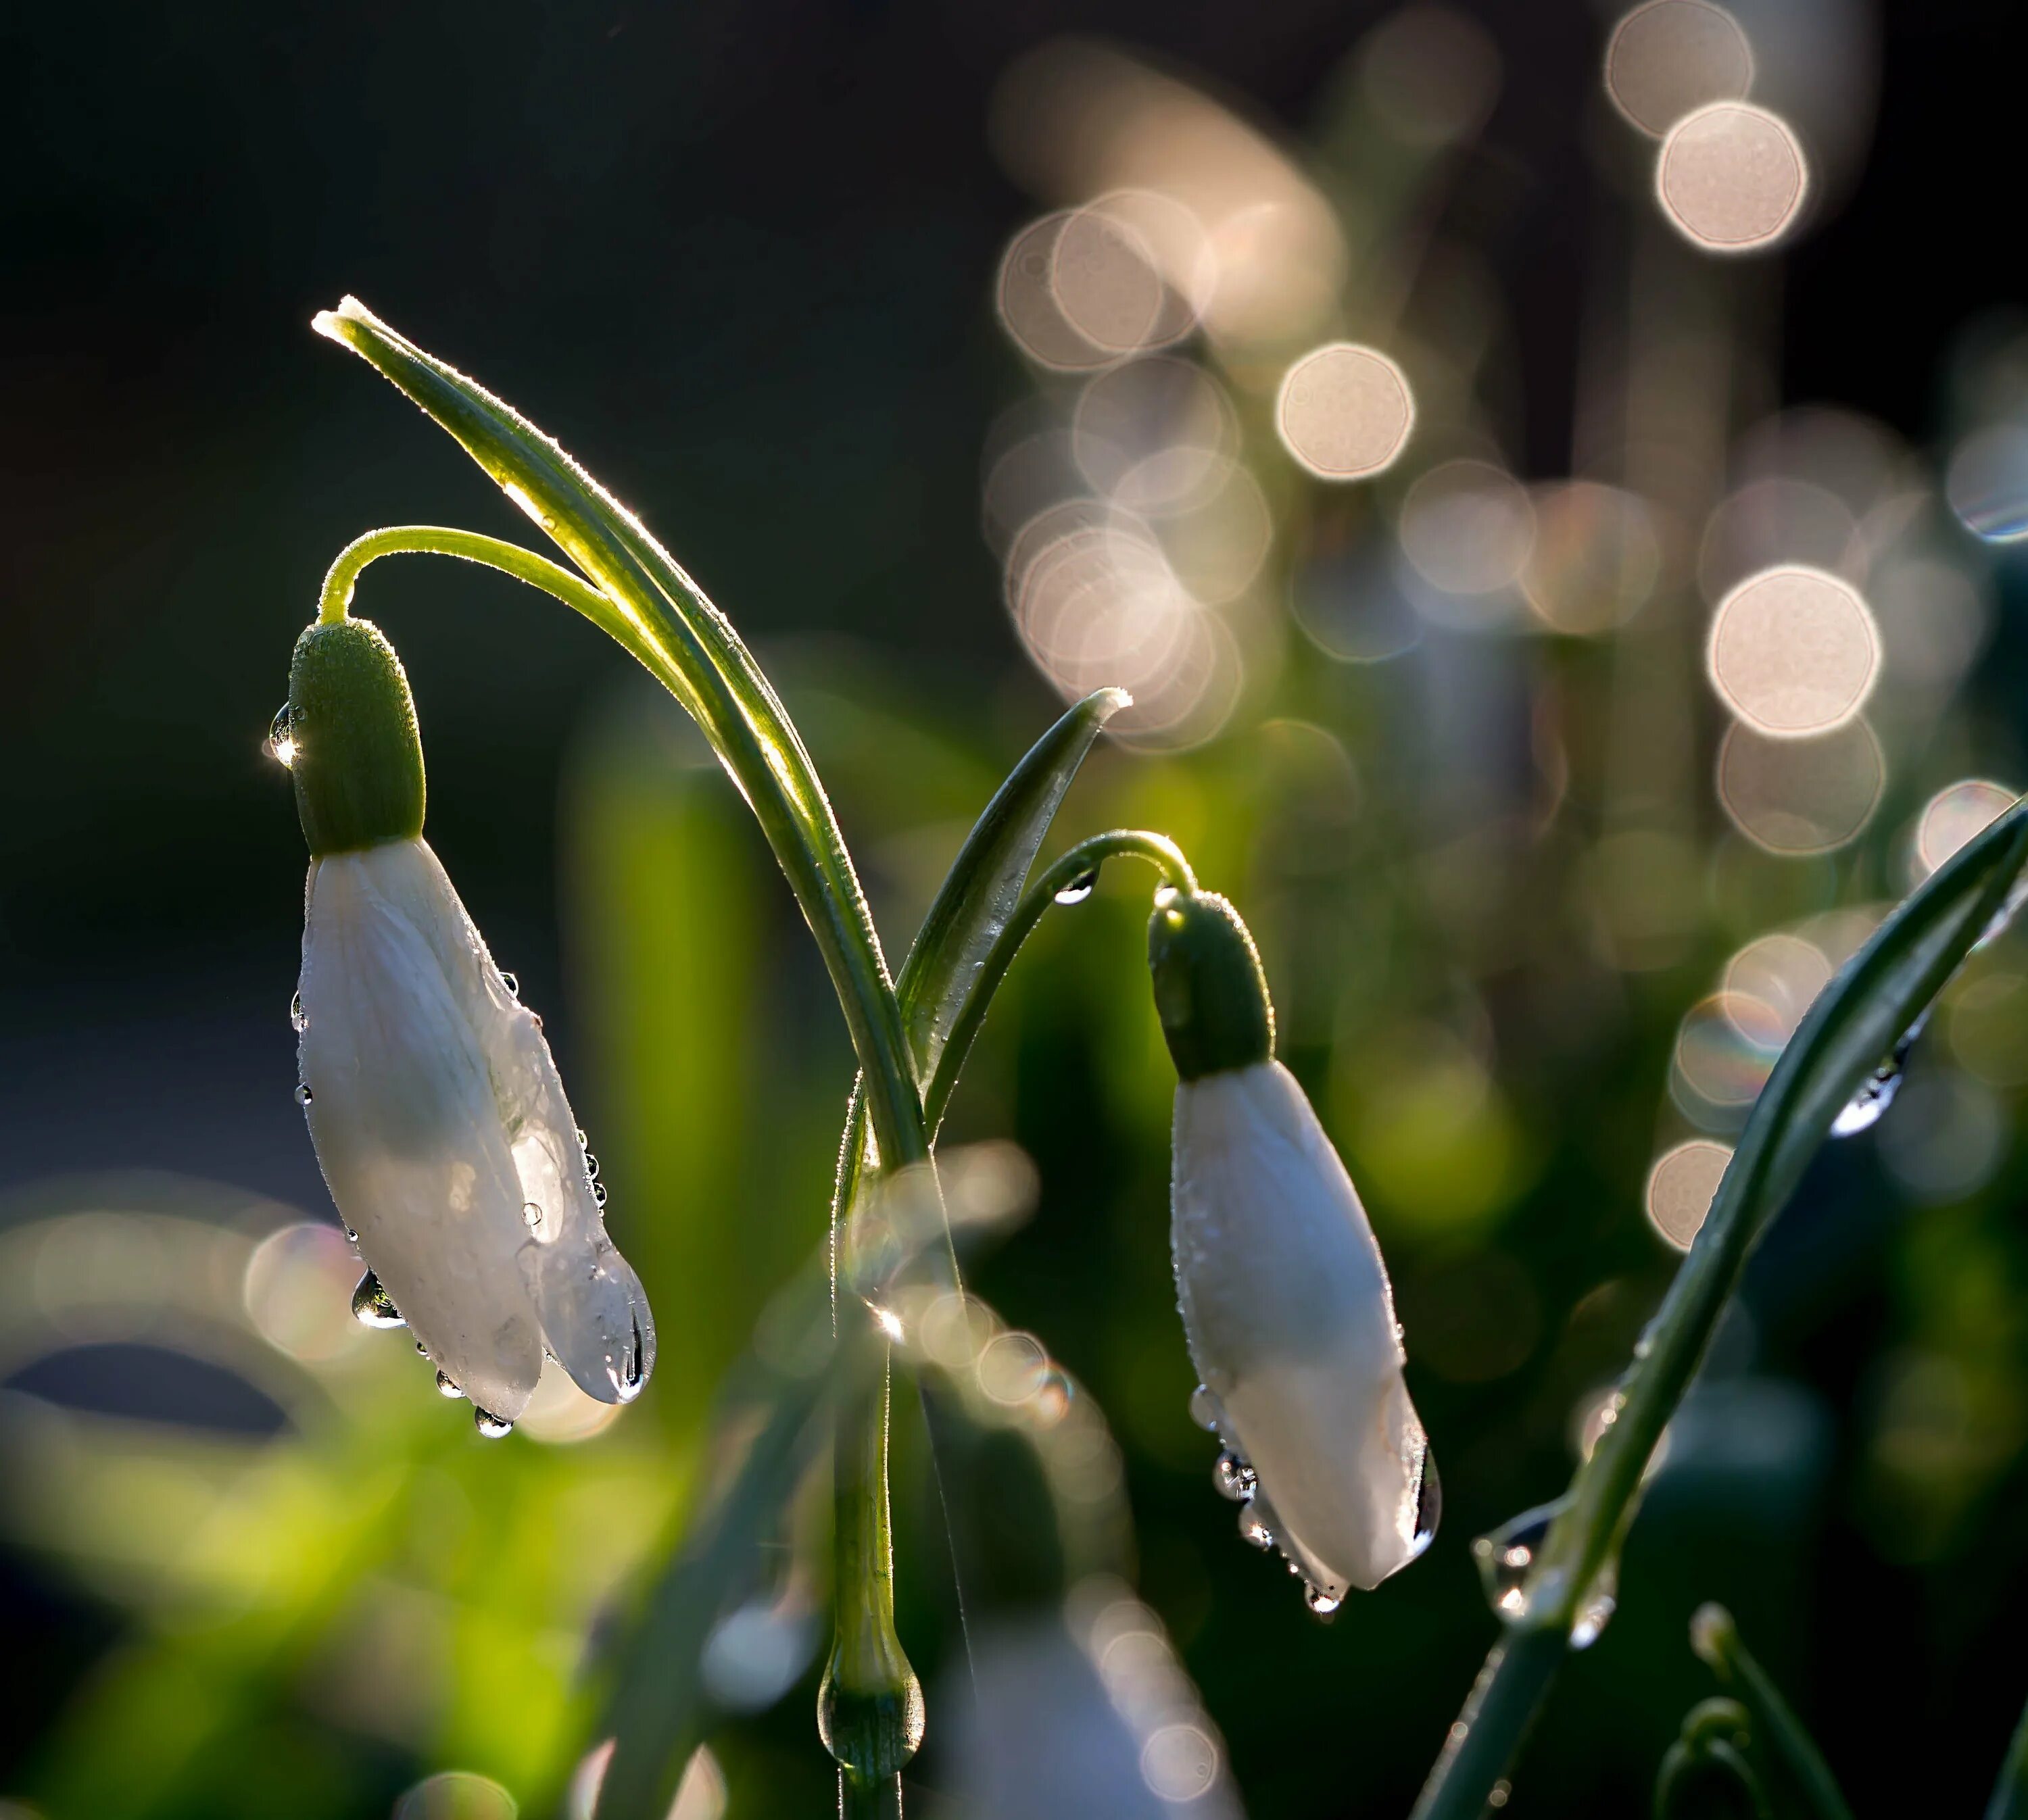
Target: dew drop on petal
1321	1604
1253	1528
1203	1409
422	1352
298	1018
1078	889
591	1165
304	1096
532	1216
491	1427
1234	1477
371	1306
1429	1501
512	985
446	1387
598	1193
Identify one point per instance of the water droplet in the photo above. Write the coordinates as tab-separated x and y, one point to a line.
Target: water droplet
304	1096
490	1427
631	1378
1506	1557
1429	1501
598	1193
298	1018
1234	1477
352	1238
446	1387
1867	1108
591	1165
282	742
422	1351
1253	1529
583	1143
373	1306
532	1216
512	985
1204	1409
1321	1604
1079	888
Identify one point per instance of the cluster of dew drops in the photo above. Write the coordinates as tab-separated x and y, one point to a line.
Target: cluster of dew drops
1234	1478
371	1305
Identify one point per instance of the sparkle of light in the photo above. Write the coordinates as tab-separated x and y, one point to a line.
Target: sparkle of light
1952	817
1987	484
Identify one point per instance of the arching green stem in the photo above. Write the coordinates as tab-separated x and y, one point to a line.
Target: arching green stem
665	621
1075	868
2010	1791
491	552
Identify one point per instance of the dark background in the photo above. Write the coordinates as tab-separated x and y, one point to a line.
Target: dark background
739	258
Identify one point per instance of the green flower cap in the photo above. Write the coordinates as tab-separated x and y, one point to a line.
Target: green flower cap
357	756
1210	993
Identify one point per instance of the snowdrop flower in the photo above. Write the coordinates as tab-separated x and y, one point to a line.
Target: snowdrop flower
1285	1299
434	1105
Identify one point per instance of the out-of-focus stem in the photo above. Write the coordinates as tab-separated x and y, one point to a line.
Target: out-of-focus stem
2010	1793
1716	1639
861	1799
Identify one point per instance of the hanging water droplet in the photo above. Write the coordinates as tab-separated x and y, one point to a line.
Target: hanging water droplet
598	1193
632	1375
1429	1500
490	1427
446	1387
1506	1556
531	1216
584	1142
1253	1529
373	1306
1870	1104
422	1351
591	1165
1234	1477
1204	1409
304	1096
512	985
1321	1604
298	1018
282	737
1079	888
351	1237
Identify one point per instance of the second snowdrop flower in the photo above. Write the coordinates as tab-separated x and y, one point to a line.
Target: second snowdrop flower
1284	1298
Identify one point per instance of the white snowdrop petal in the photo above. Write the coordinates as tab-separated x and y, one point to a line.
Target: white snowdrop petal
583	1298
1291	1324
403	1116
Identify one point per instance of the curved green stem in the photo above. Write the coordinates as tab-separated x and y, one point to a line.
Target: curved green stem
491	552
1082	862
664	620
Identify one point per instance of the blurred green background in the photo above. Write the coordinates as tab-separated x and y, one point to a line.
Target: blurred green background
1537	901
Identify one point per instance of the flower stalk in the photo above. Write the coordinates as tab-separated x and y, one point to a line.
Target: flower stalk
1856	1020
1716	1638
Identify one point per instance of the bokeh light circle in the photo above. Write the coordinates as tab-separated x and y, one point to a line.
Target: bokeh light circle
1670	57
1466	527
1680	1188
1345	412
1731	177
1801	796
1952	817
1595	558
1987	484
1793	651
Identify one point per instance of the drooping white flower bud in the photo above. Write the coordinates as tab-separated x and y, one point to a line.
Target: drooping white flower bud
436	1107
1285	1299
